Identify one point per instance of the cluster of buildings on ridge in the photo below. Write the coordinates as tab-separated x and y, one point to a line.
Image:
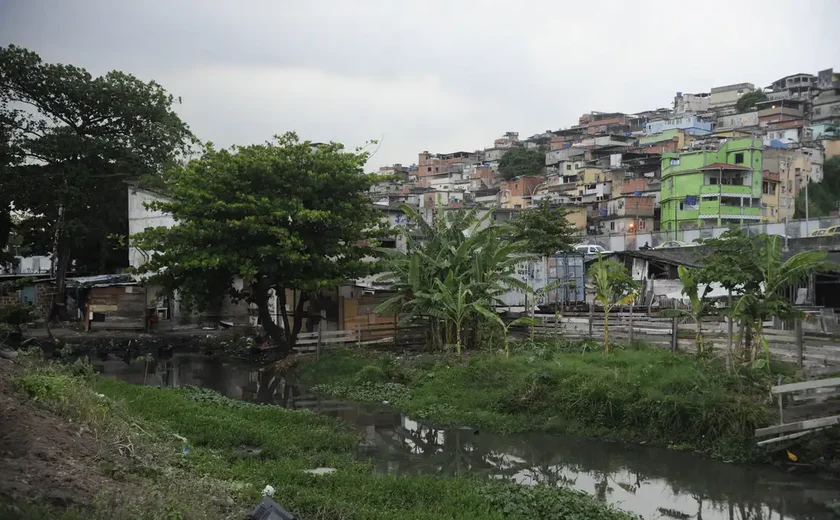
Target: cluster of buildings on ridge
698	164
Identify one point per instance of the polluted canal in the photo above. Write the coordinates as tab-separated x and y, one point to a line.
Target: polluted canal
651	482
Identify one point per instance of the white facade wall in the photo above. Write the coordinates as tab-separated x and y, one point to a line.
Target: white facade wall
140	218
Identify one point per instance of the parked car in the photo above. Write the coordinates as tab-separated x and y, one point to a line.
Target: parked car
832	231
673	243
818	232
591	249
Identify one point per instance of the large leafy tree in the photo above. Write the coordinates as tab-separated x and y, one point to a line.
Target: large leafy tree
282	215
545	230
748	100
518	162
453	271
79	138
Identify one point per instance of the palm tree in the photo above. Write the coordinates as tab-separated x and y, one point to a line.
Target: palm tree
613	286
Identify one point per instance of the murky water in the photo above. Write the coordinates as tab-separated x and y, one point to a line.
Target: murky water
652	482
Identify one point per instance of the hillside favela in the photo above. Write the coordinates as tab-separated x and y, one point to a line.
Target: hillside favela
270	260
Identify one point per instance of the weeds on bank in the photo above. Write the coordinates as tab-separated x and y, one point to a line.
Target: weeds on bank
633	394
236	448
141	454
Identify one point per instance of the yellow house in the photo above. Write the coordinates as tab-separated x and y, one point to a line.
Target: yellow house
771	197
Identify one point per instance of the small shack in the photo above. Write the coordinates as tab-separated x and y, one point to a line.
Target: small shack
111	301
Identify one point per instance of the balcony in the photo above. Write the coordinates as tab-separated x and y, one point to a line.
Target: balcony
711	209
734	189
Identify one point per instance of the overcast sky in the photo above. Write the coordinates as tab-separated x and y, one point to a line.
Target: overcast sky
430	75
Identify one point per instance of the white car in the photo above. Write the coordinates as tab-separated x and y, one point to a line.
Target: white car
591	249
673	243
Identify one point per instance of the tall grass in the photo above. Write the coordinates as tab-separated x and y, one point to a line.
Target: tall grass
243	447
638	394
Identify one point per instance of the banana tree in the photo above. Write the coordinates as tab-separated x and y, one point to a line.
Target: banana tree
700	306
613	286
769	299
456	258
492	316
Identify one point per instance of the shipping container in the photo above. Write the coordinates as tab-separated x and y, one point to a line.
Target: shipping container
568	268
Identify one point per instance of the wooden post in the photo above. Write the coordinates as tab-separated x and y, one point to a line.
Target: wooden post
359	336
395	332
729	332
591	316
800	342
631	324
781	411
674	339
320	338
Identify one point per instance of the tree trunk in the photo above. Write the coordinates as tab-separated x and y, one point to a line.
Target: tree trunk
5	227
298	319
62	261
606	330
312	314
272	330
281	295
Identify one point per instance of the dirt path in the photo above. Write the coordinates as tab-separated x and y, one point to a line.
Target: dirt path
43	456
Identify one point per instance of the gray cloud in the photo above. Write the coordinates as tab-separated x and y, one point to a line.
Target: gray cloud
430	75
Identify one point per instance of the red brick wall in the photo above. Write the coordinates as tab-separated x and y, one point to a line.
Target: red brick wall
522	186
43	298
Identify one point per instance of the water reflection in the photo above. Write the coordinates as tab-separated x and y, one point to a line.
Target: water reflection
654	483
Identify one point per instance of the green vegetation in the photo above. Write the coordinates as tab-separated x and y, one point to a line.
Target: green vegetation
518	162
823	196
634	394
545	230
613	286
699	305
232	224
235	449
748	100
451	274
67	155
753	269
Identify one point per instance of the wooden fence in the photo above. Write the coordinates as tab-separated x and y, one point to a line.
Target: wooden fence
814	348
385	335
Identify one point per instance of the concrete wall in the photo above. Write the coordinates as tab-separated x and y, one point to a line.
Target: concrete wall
729	94
745	120
140	218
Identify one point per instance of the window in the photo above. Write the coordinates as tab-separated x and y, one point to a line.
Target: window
568	167
681	206
675	162
429	169
713	181
612	226
517	206
642	224
437	169
739	158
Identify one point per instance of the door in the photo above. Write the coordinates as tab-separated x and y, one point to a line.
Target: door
27	295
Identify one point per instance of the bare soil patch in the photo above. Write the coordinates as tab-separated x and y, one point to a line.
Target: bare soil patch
43	456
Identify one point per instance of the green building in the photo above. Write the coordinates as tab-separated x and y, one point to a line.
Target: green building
702	188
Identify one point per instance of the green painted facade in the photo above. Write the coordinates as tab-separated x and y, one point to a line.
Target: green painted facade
684	180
